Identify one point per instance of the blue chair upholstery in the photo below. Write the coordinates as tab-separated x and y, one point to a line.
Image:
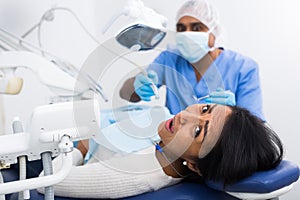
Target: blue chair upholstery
184	190
261	182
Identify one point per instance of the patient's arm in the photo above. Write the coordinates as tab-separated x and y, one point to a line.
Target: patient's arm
104	180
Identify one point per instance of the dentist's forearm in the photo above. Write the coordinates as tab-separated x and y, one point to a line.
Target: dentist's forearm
127	91
83	147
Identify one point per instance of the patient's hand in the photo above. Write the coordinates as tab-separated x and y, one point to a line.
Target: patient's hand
83	147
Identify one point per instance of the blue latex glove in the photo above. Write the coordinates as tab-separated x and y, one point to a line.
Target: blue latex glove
142	85
221	97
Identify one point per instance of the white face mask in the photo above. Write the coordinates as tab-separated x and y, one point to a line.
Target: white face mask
193	45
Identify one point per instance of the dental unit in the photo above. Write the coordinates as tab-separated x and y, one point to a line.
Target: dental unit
48	133
59	75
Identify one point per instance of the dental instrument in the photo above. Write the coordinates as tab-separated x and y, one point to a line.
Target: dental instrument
200	98
210	95
153	86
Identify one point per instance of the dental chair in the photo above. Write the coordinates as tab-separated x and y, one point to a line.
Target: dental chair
261	185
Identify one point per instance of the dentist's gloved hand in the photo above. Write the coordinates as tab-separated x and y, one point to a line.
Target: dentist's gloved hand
142	85
221	97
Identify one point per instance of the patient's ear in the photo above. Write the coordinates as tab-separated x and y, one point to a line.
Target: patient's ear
193	167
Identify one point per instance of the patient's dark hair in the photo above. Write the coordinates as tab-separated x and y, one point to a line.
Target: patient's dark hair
246	145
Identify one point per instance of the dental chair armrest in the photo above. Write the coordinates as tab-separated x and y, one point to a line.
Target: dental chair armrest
276	181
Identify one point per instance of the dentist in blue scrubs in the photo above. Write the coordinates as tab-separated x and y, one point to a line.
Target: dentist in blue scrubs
198	69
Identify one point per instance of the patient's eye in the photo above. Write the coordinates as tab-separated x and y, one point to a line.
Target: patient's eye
197	131
205	108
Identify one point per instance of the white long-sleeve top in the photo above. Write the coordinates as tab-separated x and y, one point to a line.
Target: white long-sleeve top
112	175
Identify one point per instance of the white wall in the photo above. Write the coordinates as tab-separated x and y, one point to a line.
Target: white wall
266	30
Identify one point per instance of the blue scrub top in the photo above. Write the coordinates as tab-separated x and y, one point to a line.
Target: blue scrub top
230	71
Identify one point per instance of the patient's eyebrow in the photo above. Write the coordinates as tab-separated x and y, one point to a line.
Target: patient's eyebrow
205	130
211	108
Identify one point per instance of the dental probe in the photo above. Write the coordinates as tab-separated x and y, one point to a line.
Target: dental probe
201	98
206	96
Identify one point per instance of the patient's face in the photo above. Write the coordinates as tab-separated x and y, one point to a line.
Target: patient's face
193	132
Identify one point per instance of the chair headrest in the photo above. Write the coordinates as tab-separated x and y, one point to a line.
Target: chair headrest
283	175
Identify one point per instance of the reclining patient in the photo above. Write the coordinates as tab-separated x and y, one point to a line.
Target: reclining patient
215	142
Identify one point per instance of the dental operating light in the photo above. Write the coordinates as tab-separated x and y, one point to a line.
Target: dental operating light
140	37
145	32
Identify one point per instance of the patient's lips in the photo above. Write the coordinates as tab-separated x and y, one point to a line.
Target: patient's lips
170	125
